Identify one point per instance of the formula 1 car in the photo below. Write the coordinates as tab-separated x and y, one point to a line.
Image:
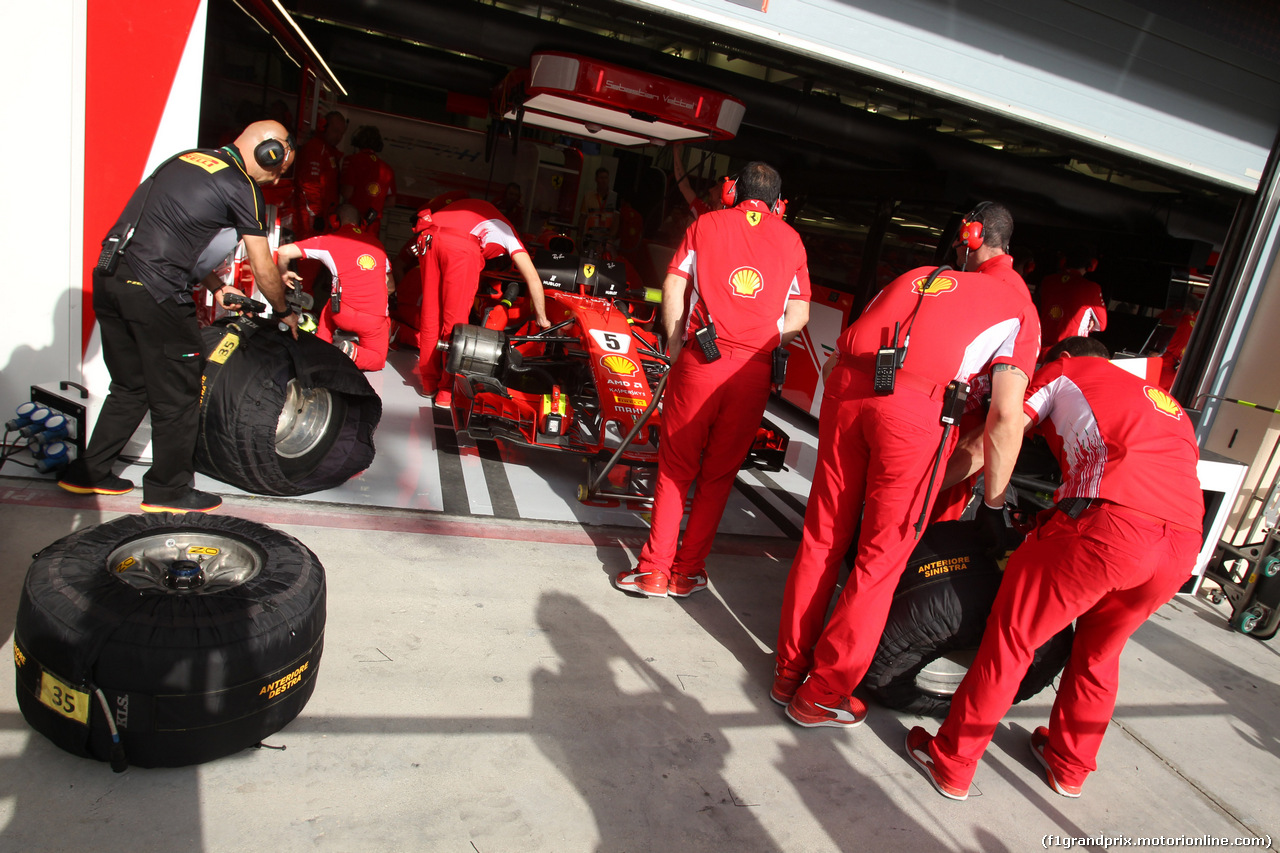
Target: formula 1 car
586	385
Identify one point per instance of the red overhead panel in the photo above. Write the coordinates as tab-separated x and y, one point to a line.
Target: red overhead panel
620	106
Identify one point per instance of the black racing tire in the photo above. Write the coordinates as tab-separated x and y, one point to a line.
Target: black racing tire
282	417
187	676
936	621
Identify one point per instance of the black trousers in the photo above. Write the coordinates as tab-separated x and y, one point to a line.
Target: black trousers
153	352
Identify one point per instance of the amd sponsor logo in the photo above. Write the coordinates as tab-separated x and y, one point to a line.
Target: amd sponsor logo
624	383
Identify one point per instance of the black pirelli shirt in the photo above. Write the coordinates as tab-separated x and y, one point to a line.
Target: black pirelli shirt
194	198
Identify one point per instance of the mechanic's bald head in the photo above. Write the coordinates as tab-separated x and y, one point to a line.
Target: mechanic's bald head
347	214
253	136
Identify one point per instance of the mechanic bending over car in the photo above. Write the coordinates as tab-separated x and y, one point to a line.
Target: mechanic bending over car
361	282
747	281
177	226
894	376
1111	552
453	244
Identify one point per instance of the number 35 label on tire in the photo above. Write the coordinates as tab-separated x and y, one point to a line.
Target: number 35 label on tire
64	699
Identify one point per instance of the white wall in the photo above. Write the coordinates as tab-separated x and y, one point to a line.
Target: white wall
42	61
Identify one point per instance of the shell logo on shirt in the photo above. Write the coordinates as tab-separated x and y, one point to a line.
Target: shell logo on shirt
374	189
366	262
1164	404
941	284
754	217
746	282
620	365
1056	312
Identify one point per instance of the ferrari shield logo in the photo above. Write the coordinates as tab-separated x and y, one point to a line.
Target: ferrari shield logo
941	284
754	217
366	262
746	282
1164	404
588	270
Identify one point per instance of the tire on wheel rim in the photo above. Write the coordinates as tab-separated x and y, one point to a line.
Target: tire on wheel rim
936	622
282	417
195	635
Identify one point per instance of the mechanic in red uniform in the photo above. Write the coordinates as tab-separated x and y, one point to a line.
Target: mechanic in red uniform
1113	550
361	280
315	176
367	181
462	236
880	449
1070	304
747	276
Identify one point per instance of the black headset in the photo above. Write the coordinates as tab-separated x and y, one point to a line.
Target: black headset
272	153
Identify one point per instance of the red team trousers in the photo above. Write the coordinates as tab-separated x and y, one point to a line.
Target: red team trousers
450	277
710	415
877	449
373	331
1108	570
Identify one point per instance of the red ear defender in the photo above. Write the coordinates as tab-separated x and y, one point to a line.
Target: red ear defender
334	222
729	192
971	235
1093	265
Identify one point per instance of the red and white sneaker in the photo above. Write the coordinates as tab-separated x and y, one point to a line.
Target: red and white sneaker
842	713
683	586
785	684
444	398
652	584
1039	740
918	741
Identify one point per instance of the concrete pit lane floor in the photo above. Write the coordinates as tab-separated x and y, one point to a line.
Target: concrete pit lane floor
484	688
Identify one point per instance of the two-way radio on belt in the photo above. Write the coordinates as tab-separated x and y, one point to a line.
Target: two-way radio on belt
890	359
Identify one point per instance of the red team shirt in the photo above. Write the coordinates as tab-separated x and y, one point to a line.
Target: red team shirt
371	181
1067	302
483	221
356	260
967	322
744	286
316	177
1110	430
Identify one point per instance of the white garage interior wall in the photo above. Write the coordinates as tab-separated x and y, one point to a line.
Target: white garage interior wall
40	222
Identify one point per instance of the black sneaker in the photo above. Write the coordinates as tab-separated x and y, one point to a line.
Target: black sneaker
109	485
192	501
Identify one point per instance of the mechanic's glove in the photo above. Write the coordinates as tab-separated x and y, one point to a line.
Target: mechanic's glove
992	530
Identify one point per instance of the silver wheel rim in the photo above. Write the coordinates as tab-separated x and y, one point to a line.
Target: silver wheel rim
304	420
148	563
943	675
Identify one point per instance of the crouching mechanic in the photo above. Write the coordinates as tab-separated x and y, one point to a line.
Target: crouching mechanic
453	244
173	231
1114	549
361	280
878	446
748	280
